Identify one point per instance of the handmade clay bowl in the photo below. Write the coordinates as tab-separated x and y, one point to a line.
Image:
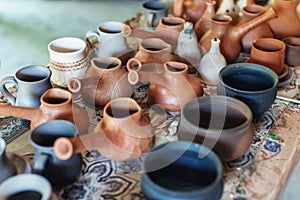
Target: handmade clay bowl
254	84
182	170
220	123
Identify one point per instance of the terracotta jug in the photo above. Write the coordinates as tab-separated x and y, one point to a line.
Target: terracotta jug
204	23
168	30
228	7
171	89
230	35
155	50
105	80
56	103
262	31
123	134
288	17
7	166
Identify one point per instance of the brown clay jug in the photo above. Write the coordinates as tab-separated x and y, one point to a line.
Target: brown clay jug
204	23
287	23
56	103
106	79
171	89
262	31
155	50
168	30
230	35
123	134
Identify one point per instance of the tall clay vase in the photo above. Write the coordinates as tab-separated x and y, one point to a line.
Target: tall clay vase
288	22
7	166
56	103
167	30
211	64
230	35
155	50
105	80
171	89
204	23
262	31
123	134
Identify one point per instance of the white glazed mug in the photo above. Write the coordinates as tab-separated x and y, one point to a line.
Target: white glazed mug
26	186
68	59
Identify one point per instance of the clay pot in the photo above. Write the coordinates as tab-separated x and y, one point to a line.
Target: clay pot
168	30
269	52
230	35
228	7
155	50
204	23
171	89
221	123
292	51
254	84
262	31
287	16
7	166
56	103
123	134
105	80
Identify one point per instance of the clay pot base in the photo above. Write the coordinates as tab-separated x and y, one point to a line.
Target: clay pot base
285	80
284	72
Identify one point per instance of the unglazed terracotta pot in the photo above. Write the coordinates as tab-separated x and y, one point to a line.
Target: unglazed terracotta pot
228	7
7	166
292	51
105	80
223	124
263	31
56	103
171	89
269	52
288	17
230	35
168	30
123	134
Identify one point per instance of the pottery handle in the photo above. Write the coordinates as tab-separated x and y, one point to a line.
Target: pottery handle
151	19
92	39
40	162
4	90
74	85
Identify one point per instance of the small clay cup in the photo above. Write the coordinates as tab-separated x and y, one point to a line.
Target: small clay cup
182	170
269	52
292	51
220	123
254	84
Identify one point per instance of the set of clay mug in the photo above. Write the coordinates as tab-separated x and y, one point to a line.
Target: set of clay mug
176	52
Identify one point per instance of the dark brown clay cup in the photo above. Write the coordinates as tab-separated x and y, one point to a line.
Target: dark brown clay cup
292	51
269	52
221	123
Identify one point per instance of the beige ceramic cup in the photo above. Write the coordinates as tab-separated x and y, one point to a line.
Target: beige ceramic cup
268	52
292	52
68	59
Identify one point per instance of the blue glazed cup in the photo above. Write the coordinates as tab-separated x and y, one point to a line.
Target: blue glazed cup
182	170
254	84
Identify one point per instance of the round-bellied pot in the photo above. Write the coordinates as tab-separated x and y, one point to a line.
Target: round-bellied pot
220	123
254	84
182	170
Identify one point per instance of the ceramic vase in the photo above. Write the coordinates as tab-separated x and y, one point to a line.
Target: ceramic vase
211	64
7	166
106	79
123	134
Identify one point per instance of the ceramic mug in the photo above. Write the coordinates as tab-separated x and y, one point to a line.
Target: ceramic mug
292	51
153	11
68	59
26	186
108	40
32	81
59	172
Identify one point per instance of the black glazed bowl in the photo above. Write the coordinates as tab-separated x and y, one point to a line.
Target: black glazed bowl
254	84
182	170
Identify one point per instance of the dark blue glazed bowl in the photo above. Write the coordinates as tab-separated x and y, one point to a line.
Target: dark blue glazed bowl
254	84
182	170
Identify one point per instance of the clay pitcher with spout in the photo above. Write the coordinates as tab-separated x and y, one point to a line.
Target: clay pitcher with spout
56	103
230	35
105	80
123	134
171	88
